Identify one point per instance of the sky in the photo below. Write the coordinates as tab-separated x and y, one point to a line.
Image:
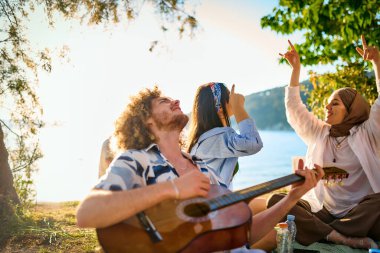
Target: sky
104	65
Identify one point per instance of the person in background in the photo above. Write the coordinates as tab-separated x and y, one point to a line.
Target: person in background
348	139
106	157
153	168
211	137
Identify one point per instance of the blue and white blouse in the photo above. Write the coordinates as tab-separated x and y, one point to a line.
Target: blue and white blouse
221	147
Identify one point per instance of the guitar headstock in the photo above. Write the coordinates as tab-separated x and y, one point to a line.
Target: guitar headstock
334	175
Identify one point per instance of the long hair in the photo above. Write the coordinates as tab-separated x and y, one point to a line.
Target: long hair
131	130
204	115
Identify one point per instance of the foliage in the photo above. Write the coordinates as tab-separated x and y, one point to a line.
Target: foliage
331	28
352	76
105	11
331	31
20	111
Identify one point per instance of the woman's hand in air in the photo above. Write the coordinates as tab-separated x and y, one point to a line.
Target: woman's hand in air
236	101
369	53
292	57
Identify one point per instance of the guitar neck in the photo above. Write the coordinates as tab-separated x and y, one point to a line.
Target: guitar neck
252	192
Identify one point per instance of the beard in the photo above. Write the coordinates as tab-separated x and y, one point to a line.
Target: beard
176	123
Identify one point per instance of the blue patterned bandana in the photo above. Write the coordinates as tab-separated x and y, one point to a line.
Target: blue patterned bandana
217	93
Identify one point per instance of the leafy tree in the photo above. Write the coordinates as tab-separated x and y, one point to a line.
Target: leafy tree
353	76
331	28
20	111
331	31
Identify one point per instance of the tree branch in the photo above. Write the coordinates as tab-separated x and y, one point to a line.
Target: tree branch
5	12
9	128
175	8
30	161
11	8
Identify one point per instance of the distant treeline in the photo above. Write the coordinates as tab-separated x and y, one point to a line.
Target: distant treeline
267	107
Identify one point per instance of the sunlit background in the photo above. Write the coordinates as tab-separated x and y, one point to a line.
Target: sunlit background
104	65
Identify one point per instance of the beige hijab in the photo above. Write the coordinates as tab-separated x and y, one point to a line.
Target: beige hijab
358	111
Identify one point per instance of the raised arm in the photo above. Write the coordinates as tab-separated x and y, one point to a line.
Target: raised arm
294	61
371	53
237	104
225	144
248	141
306	125
372	125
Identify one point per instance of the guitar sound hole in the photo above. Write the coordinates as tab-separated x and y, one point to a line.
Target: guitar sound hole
196	209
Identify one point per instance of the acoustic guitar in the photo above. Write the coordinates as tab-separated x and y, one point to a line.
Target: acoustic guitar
219	222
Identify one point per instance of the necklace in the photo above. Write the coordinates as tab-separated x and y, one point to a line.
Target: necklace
337	145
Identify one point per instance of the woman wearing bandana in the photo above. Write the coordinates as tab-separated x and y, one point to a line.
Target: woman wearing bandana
212	138
348	139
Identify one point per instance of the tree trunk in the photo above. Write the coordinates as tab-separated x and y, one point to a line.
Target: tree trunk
7	190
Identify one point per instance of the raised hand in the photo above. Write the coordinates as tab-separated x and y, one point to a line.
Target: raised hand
369	53
236	100
292	57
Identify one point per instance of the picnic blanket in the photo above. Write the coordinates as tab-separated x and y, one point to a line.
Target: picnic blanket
329	248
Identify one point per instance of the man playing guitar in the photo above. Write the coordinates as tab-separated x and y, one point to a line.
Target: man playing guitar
152	169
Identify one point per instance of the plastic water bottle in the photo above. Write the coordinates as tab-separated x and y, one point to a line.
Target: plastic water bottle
374	251
292	230
283	238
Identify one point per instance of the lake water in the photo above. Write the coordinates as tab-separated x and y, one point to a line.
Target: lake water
273	161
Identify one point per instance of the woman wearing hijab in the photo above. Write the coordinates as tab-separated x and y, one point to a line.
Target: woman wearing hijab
212	138
348	139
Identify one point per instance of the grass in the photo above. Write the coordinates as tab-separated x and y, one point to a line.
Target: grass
49	227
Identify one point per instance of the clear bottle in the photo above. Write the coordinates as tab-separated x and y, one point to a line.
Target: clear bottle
292	230
282	238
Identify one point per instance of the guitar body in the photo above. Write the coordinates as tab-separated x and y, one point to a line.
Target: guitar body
226	228
188	226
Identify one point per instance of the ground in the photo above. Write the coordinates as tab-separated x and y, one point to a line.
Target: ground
50	227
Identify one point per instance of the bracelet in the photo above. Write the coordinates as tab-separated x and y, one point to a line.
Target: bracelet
175	189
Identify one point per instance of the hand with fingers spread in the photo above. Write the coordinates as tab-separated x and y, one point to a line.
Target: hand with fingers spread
192	184
292	57
312	177
369	53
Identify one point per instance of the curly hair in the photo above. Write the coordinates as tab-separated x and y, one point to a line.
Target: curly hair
131	131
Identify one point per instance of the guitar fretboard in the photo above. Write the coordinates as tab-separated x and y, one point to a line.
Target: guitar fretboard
252	192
